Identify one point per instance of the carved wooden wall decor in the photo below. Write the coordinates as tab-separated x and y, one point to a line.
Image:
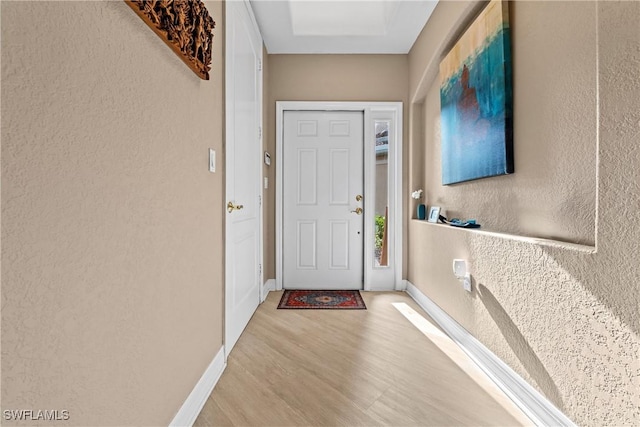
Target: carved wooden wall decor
184	25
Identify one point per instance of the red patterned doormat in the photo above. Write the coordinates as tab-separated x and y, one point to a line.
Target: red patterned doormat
322	299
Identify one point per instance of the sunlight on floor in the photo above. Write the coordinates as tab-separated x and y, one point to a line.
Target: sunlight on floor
455	353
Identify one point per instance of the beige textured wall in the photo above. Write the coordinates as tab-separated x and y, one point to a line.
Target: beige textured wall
552	193
112	226
331	78
268	194
563	316
337	78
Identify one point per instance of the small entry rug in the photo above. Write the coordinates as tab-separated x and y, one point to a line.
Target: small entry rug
322	299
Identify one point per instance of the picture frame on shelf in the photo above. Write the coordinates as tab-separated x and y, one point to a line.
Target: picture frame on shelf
434	214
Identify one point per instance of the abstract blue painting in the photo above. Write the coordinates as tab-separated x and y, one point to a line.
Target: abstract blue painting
476	100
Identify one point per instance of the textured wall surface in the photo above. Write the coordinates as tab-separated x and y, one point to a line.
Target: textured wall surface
112	226
563	316
330	78
268	194
554	77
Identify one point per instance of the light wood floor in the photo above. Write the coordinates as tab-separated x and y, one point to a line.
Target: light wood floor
348	368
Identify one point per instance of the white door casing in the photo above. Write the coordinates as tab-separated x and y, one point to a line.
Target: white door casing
243	243
322	195
375	277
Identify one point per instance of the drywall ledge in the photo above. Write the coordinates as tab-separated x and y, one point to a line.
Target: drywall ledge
506	236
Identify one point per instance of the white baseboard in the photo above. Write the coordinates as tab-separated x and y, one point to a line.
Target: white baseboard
191	408
269	286
529	400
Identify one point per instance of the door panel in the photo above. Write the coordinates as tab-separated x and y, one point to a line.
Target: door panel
307	238
339	177
307	174
243	150
323	174
338	245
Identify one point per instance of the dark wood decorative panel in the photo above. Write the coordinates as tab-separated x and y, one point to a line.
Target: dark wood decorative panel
184	25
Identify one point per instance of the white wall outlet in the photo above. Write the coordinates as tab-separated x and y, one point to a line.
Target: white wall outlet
212	160
266	182
466	282
459	268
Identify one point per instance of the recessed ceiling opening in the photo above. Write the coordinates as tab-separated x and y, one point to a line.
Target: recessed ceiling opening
344	18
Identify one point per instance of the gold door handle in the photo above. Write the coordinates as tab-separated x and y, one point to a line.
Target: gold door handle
231	207
358	197
358	211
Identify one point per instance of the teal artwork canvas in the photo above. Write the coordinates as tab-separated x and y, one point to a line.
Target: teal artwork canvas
476	100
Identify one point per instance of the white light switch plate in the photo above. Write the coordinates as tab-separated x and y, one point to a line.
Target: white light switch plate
212	160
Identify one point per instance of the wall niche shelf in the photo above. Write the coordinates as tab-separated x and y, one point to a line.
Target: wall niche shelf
515	237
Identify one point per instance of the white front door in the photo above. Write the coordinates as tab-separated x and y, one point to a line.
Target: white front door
243	152
323	200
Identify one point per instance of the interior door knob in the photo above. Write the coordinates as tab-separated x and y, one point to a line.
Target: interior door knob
358	211
231	207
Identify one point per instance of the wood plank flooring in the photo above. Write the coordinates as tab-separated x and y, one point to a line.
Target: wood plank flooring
350	368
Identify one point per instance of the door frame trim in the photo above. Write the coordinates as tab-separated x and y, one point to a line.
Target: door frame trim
368	108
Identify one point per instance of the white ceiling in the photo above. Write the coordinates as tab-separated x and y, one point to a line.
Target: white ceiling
337	26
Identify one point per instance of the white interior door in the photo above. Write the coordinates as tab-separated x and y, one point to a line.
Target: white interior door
243	152
323	200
